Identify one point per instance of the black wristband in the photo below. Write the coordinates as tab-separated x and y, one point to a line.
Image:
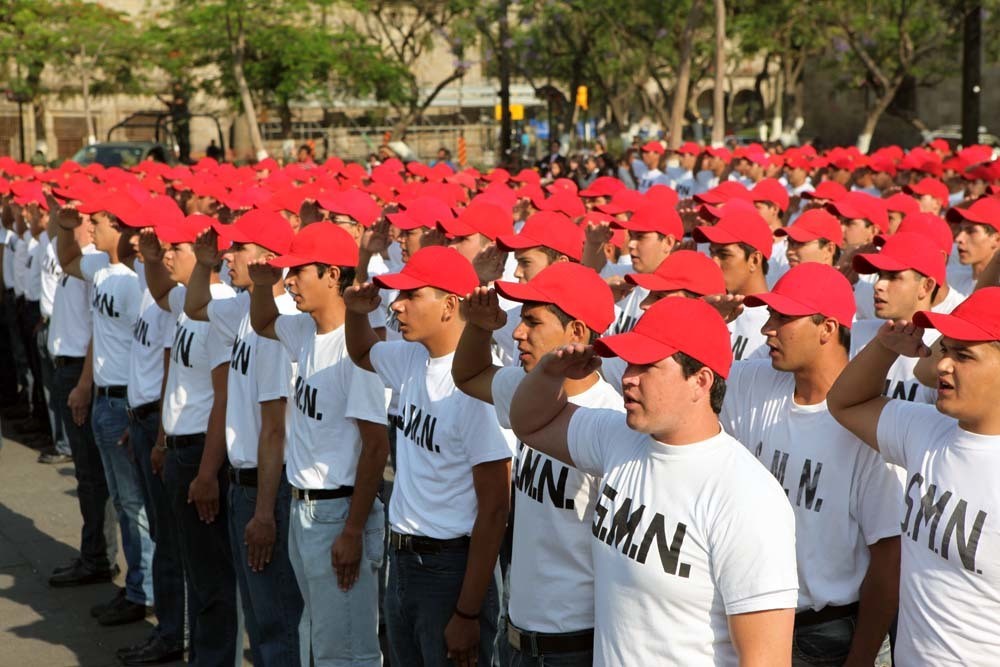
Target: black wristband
468	617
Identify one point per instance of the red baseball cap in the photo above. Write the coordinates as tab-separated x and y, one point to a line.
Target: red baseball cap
816	223
723	192
546	228
357	205
623	201
575	289
810	288
603	186
683	270
421	212
975	319
689	148
183	229
828	190
320	243
927	225
653	147
904	251
770	190
929	186
690	326
479	217
564	202
433	266
660	195
527	176
738	226
861	206
115	202
265	228
984	211
652	218
901	203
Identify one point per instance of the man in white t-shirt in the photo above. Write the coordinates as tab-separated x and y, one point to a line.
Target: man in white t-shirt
909	269
551	608
451	493
846	500
949	599
337	448
49	276
720	587
193	417
115	305
741	244
258	386
977	237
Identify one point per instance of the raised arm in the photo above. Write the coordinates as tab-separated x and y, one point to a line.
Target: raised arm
473	368
263	309
67	249
856	399
358	333
597	234
540	412
157	277
199	292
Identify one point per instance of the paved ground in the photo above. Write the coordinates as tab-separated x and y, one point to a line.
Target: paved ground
40	530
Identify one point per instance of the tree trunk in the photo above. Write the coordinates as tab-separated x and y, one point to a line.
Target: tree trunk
88	117
679	103
285	115
256	140
503	63
778	108
719	94
873	116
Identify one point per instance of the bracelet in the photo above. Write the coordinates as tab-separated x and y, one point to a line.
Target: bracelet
161	448
468	617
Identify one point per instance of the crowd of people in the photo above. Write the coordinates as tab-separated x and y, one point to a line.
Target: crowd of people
730	408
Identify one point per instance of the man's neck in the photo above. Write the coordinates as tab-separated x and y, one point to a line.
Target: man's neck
330	316
577	387
696	426
755	284
813	383
444	341
942	294
979	267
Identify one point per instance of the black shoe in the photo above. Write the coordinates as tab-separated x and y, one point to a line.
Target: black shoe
79	574
155	652
53	456
123	611
125	650
102	607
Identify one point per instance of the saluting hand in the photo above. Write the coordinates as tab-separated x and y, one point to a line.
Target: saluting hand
263	274
149	246
904	338
362	299
489	263
730	306
481	308
206	248
574	361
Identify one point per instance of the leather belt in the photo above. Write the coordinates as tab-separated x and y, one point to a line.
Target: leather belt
60	362
184	441
322	494
144	410
243	476
824	615
535	644
114	391
419	544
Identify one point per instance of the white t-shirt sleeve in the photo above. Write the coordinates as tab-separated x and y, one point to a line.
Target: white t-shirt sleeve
294	331
590	434
900	426
390	359
169	329
226	315
273	369
365	397
93	262
219	352
175	297
505	382
481	435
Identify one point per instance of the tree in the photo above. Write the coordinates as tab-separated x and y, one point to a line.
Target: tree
719	91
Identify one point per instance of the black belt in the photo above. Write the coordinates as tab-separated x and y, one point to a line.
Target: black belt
322	494
60	362
243	476
419	544
114	391
824	615
535	644
144	410
184	441
396	421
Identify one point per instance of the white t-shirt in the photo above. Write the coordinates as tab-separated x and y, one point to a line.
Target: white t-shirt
51	273
864	300
960	275
777	265
845	497
627	311
949	596
950	302
153	332
442	435
21	263
900	382
744	332
33	263
71	326
9	242
683	537
331	395
552	571
196	349
259	370
116	299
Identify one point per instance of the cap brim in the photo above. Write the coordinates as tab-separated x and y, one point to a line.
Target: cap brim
779	302
520	292
613	209
633	348
951	326
230	233
400	281
652	282
512	242
289	261
401	220
456	228
707	234
875	262
799	235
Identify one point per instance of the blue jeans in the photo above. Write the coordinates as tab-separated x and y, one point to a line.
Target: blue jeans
420	600
168	573
823	644
272	604
574	659
59	438
338	628
109	418
208	562
98	543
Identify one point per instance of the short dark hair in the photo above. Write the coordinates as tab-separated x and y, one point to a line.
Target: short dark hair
689	366
347	274
749	250
561	315
822	243
843	333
